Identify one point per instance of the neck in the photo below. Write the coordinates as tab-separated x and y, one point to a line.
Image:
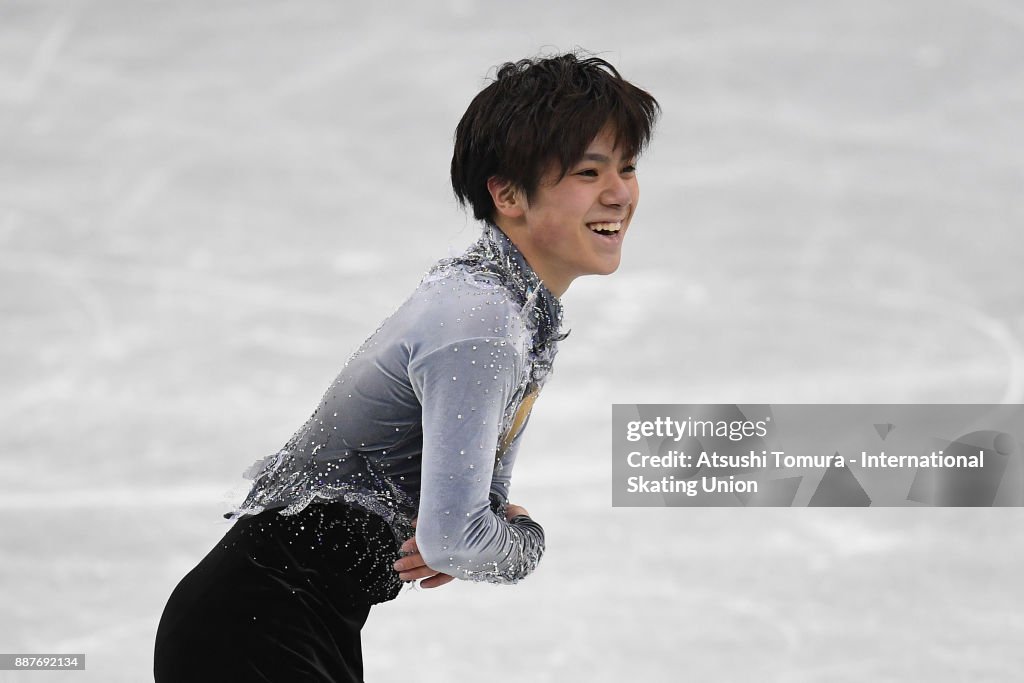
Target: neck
518	233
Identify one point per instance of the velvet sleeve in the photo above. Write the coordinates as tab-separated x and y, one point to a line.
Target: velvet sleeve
464	388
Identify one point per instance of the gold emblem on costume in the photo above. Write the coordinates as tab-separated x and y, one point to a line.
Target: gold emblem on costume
522	413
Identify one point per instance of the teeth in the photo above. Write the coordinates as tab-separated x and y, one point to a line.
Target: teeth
605	227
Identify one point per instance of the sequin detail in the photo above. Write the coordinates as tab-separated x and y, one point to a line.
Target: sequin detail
373	464
496	262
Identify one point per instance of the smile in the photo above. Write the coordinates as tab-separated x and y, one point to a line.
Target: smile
605	228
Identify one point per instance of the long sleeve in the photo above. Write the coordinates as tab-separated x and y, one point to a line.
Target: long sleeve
464	388
501	477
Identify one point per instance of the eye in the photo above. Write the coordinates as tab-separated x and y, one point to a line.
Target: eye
629	168
589	172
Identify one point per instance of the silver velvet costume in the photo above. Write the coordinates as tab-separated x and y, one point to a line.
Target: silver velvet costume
422	420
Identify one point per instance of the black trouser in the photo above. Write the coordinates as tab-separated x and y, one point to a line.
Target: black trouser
280	598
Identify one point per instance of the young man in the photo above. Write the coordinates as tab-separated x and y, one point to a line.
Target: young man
547	155
403	470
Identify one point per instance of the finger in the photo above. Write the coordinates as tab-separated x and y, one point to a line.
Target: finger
409	546
420	572
409	562
436	580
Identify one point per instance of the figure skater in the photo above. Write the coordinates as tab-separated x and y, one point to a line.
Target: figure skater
402	472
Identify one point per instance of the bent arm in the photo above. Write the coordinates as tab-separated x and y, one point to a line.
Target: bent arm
464	388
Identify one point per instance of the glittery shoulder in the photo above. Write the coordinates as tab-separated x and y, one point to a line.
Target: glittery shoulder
495	262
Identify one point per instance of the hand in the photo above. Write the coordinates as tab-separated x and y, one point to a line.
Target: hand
412	566
514	511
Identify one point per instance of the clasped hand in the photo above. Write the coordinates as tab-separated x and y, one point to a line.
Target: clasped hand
412	566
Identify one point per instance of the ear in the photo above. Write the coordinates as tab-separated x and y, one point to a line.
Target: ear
509	200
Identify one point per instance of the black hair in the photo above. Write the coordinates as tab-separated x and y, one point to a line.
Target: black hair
544	111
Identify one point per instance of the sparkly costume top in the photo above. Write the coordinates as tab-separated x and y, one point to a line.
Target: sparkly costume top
424	420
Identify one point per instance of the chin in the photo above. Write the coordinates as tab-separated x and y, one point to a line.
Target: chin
607	269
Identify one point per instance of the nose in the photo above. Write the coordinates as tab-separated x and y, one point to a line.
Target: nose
617	192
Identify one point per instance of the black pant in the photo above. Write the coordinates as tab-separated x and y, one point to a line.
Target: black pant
280	598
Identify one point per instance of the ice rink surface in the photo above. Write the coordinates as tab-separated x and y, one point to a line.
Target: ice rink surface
205	207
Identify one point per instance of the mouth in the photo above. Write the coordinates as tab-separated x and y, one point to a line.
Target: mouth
606	229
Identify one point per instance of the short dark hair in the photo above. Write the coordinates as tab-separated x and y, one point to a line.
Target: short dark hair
542	111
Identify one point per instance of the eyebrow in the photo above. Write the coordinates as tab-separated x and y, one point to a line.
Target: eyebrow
600	158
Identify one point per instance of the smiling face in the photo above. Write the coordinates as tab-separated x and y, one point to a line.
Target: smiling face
573	226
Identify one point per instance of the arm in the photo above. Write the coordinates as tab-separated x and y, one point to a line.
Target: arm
501	478
464	388
412	566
